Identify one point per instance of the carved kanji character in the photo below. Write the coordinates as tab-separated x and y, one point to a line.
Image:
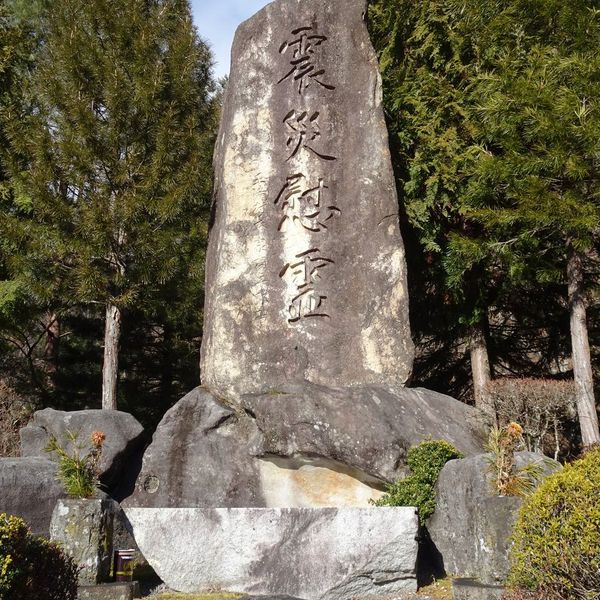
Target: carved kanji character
304	272
302	131
303	62
304	207
307	304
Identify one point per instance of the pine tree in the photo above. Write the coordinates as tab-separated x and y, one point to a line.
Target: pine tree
21	329
117	154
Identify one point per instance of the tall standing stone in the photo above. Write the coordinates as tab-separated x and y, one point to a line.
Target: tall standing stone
306	276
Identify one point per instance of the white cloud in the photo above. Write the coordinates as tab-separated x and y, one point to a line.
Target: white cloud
217	21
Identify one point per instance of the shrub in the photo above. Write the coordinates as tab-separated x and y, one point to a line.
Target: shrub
541	406
556	545
78	471
32	568
425	460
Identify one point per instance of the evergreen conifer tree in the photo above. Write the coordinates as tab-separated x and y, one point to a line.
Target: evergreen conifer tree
428	67
117	155
535	189
493	111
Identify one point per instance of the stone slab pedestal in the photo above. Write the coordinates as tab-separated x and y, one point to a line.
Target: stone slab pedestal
310	553
84	528
109	591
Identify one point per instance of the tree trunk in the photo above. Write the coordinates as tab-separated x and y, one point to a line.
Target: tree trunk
582	364
110	367
52	347
480	368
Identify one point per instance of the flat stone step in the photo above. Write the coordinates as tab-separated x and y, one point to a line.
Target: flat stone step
109	591
471	589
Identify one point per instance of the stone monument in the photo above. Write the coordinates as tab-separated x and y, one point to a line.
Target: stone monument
306	276
307	344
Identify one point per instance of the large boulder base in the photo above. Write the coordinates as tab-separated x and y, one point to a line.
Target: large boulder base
306	274
316	554
124	437
471	525
305	446
29	489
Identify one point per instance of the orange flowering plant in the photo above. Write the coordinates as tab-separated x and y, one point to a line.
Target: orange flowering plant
78	463
509	480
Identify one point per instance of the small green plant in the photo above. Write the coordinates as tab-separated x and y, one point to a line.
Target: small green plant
33	568
78	467
556	541
502	444
425	460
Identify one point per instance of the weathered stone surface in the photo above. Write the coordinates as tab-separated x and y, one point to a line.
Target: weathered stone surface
470	589
369	428
107	591
124	435
268	598
309	446
325	553
471	524
306	276
84	529
199	457
29	489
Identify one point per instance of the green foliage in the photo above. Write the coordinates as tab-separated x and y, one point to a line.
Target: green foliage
116	151
107	127
557	536
32	567
491	106
494	129
425	460
78	464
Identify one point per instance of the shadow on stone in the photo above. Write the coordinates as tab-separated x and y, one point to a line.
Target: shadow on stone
123	539
430	562
131	471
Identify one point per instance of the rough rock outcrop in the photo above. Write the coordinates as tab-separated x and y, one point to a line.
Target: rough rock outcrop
316	554
307	446
29	489
306	275
124	436
471	524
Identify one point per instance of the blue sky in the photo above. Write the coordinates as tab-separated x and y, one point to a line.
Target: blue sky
217	21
